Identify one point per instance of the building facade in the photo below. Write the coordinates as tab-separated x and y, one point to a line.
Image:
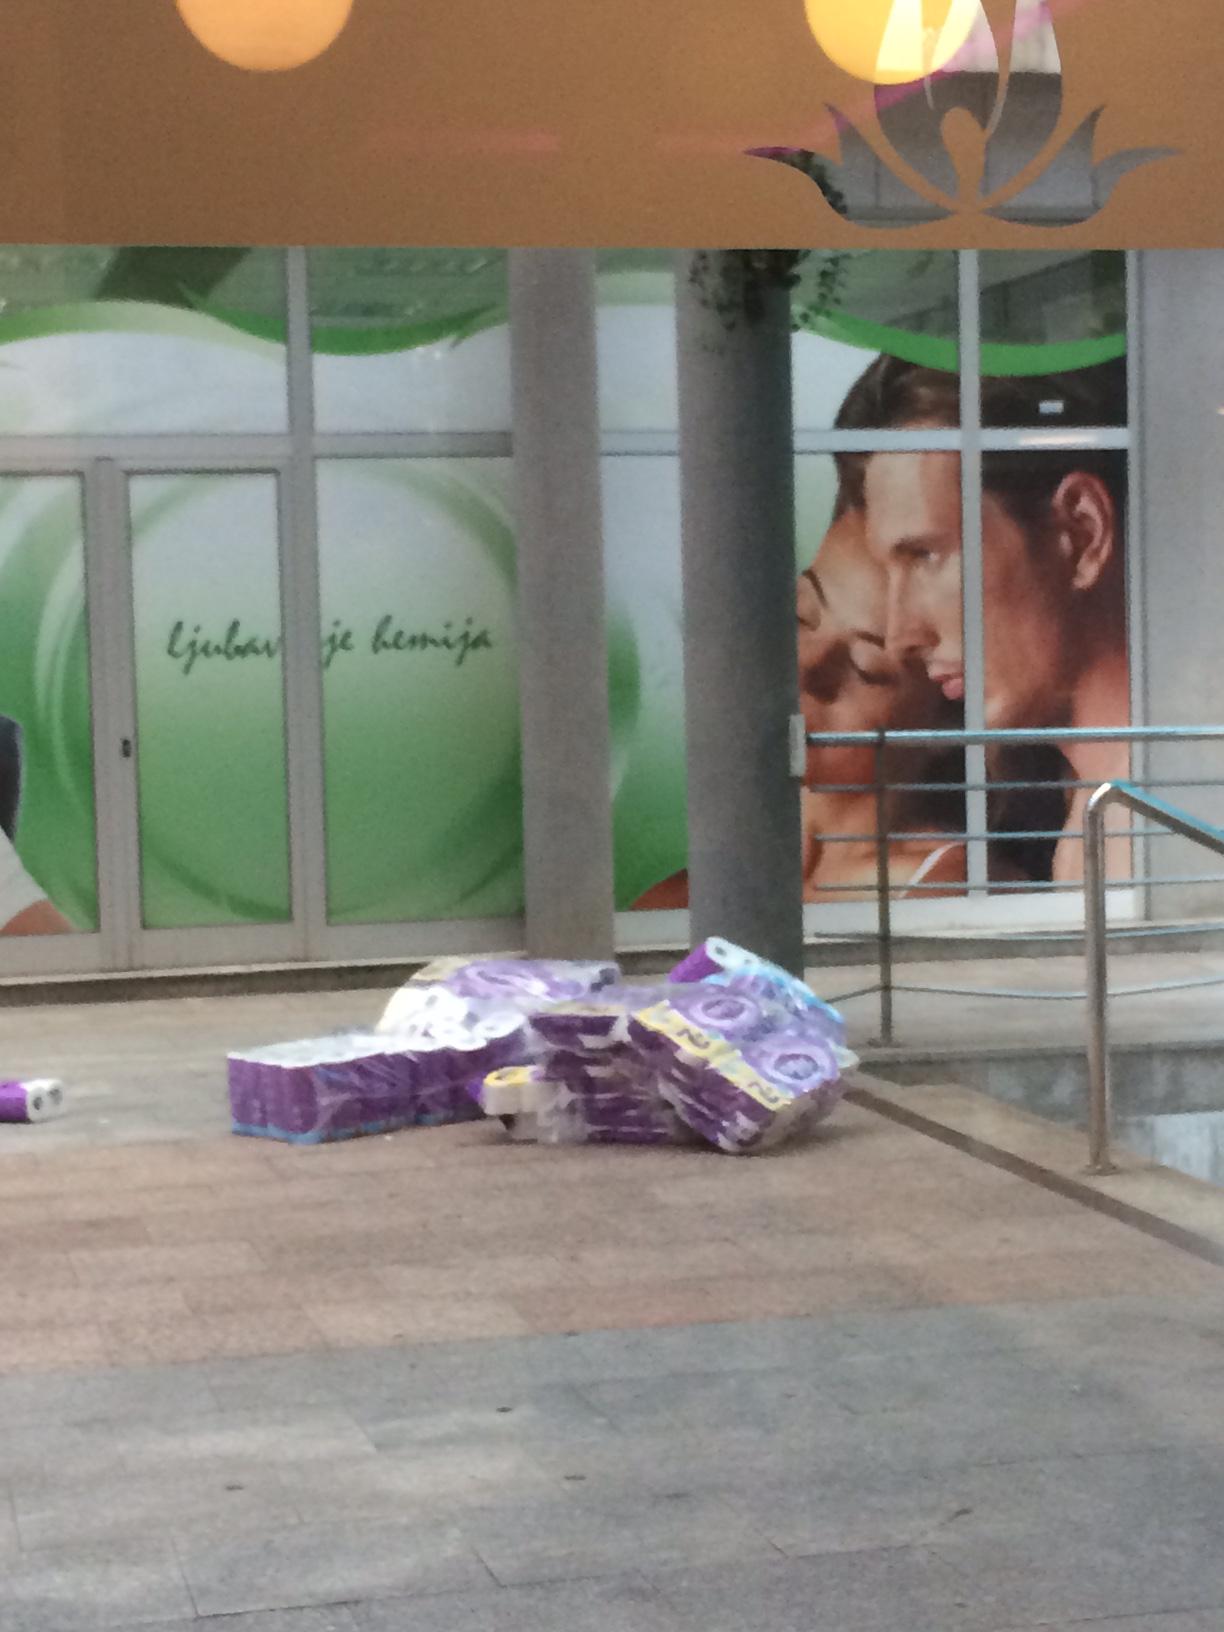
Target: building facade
259	539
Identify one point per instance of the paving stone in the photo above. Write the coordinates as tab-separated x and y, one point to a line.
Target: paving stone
880	1591
624	1604
149	1394
192	1502
587	1357
1044	1577
49	1456
567	1538
270	1438
337	1563
1081	1538
856	1513
457	1415
10	1542
771	1401
272	1620
433	1480
253	1383
79	1590
941	1409
1176	1621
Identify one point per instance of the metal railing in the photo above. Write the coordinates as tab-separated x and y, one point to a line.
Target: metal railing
1096	942
977	786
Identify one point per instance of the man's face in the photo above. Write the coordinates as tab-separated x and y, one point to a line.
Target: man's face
914	533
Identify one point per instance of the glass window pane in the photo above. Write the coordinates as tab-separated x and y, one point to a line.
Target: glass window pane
1054	609
880	648
410	339
210	701
1054	339
637	340
852	308
46	729
141	341
646	675
420	690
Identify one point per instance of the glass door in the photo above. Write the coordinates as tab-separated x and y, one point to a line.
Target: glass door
54	897
202	719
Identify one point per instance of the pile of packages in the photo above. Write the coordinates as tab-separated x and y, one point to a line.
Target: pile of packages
729	1052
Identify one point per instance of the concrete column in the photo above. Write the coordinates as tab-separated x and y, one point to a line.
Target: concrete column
562	620
1177	548
740	661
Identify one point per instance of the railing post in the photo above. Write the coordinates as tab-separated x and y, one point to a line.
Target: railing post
883	898
1096	949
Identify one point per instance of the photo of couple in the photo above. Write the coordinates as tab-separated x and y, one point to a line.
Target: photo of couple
881	644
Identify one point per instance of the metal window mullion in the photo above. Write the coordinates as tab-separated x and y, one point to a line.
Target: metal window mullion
973	629
186	450
878	441
413	445
112	662
1136	599
302	622
1054	441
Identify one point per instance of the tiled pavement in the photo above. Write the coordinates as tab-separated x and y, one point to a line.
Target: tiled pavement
438	1384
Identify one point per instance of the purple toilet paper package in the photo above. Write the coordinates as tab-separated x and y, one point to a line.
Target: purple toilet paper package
745	1091
35	1100
737	1054
721	963
597	1087
366	1082
621	1110
600	1021
536	983
530	986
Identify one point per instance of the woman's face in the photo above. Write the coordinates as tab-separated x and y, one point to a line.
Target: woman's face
914	536
848	681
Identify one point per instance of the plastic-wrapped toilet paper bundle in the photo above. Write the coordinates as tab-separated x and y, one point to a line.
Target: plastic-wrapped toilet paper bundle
598	1022
744	1092
365	1082
37	1100
432	974
613	1099
595	1086
531	983
570	1100
722	963
722	1011
735	1054
525	984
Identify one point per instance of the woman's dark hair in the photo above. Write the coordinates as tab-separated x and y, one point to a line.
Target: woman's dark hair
892	393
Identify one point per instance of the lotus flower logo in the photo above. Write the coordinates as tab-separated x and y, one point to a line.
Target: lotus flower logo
940	120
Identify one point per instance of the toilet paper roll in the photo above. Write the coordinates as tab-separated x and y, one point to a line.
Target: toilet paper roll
35	1101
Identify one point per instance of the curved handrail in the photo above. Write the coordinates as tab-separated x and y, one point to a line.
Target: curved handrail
1096	943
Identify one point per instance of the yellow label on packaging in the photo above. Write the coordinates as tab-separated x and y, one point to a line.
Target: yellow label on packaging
740	1075
692	1039
724	1057
512	1076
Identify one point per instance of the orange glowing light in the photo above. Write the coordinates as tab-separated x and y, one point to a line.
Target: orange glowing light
892	42
266	36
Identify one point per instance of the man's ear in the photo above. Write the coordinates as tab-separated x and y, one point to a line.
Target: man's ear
1086	524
